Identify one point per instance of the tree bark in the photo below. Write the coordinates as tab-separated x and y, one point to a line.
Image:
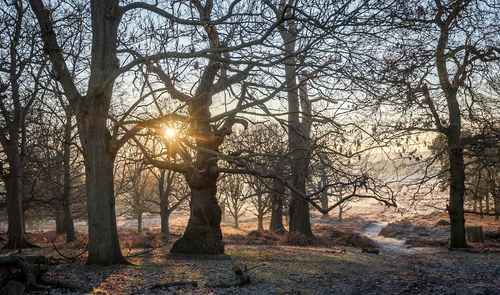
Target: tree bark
68	225
58	217
165	224
203	234
139	222
166	206
277	194
236	221
487	203
103	235
300	221
457	178
223	211
16	238
260	221
481	208
496	202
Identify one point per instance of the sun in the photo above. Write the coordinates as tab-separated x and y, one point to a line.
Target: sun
170	133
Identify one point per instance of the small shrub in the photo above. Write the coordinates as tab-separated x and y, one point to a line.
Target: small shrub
492	235
296	239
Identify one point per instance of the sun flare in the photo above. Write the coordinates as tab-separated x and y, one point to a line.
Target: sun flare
170	132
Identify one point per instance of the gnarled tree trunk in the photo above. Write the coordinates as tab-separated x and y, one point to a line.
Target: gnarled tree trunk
203	234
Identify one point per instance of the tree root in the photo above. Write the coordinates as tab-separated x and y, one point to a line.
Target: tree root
13	244
70	258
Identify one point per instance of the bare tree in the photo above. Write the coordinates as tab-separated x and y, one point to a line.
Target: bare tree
235	195
260	199
199	146
173	195
435	67
141	192
20	78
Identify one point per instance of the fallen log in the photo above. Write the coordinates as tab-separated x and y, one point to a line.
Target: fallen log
370	250
27	271
13	288
336	250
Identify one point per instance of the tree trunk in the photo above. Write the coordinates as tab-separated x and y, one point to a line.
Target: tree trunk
341	211
452	133
223	211
203	234
298	147
16	238
139	222
91	111
260	221
457	187
496	202
92	114
164	205
324	193
58	217
481	207
236	221
277	194
104	247
165	221
487	203
68	225
324	204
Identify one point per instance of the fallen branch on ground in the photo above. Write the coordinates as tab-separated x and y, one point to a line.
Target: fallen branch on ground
70	258
175	284
143	252
242	275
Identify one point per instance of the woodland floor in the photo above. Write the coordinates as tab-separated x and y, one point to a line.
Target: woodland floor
279	268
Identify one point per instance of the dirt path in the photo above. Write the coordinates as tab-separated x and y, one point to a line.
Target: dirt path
384	243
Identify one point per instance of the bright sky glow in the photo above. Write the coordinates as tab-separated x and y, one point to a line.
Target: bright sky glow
170	133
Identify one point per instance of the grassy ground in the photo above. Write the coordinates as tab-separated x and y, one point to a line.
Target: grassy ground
278	268
296	270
